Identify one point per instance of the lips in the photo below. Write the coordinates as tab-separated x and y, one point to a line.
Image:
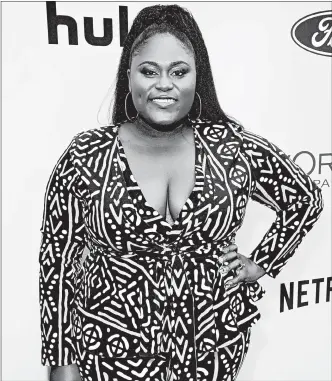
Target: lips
163	102
163	98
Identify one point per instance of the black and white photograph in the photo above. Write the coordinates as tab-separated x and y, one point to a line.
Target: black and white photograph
166	171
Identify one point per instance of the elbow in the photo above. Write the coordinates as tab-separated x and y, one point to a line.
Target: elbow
314	203
320	200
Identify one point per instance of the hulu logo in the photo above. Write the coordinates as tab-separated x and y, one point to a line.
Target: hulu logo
54	20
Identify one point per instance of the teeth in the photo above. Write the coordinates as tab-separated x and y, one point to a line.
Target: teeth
163	100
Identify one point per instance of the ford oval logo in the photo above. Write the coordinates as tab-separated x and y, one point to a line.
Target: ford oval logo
314	33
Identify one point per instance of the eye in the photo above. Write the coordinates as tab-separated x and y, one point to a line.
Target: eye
180	72
148	72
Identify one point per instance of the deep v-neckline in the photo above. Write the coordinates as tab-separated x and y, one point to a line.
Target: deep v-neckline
132	182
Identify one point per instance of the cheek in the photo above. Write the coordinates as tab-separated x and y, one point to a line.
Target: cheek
140	96
188	95
140	87
139	93
187	88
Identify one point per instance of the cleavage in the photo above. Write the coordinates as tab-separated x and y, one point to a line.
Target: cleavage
165	175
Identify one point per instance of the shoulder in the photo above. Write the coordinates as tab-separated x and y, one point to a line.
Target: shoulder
94	139
254	140
262	151
220	129
257	145
235	137
241	139
97	134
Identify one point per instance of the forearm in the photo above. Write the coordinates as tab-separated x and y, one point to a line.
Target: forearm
286	233
65	373
281	185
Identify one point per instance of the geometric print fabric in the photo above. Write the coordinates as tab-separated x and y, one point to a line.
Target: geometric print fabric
149	291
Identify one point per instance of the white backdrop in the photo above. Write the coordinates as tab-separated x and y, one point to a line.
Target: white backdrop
263	79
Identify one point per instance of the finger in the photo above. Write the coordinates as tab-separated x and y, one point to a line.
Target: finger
233	265
240	268
228	257
234	281
225	269
232	247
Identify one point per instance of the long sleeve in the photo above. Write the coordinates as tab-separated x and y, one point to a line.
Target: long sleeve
62	245
281	185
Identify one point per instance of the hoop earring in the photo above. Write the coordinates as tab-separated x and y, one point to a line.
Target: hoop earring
200	107
131	119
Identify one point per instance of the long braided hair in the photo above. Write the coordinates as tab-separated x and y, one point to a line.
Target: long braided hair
179	22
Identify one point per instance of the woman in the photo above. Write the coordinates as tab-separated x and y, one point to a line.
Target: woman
158	197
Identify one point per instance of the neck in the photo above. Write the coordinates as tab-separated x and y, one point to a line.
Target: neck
156	130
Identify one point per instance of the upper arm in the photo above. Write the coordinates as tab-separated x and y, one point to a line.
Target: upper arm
281	185
279	181
61	249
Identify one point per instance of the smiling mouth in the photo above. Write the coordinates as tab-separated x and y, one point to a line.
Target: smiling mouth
163	101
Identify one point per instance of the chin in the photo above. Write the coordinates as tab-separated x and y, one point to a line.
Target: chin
164	119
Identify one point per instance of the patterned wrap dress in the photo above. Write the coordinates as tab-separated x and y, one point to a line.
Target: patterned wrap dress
148	302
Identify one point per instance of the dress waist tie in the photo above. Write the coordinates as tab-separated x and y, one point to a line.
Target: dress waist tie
180	304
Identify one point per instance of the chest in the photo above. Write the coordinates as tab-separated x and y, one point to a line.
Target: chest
123	187
164	174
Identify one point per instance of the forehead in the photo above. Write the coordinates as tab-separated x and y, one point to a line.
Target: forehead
164	48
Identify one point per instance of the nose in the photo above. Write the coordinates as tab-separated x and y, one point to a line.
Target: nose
164	83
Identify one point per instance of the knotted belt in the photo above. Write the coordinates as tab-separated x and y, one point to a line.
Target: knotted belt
181	290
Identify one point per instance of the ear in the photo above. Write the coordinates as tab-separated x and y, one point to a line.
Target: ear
128	75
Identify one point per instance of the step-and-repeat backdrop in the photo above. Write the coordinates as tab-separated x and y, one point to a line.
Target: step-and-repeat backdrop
272	69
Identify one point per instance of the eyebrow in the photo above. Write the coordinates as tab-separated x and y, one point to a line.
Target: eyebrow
174	63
